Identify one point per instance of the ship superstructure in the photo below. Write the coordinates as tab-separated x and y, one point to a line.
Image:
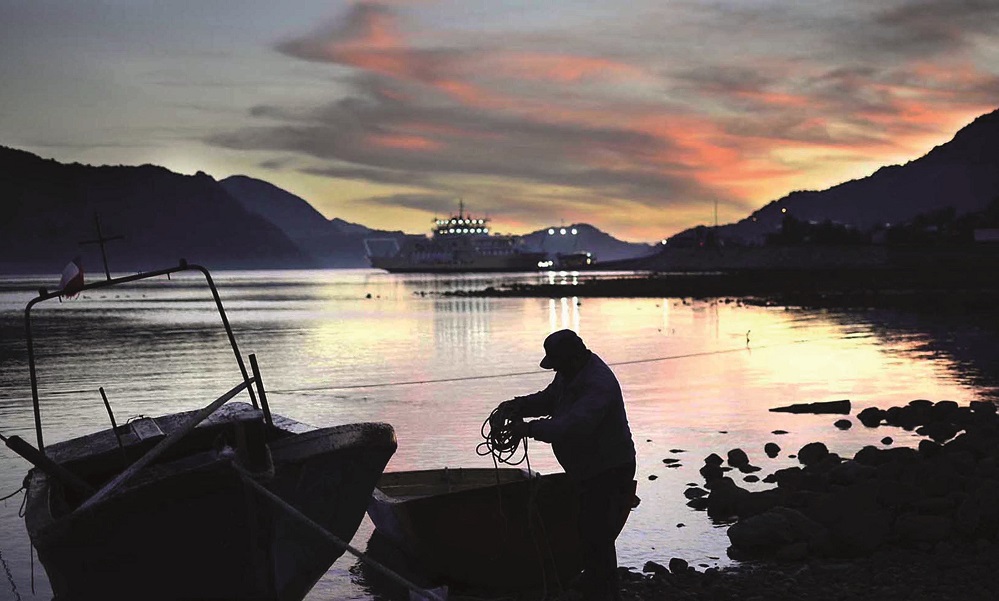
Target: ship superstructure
460	243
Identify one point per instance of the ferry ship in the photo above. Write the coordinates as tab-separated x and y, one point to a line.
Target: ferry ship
459	244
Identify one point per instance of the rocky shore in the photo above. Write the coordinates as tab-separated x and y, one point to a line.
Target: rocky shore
888	523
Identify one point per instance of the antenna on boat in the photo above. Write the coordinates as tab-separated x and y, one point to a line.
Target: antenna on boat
101	239
461	208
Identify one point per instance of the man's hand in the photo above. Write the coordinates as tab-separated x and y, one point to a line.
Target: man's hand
519	428
509	409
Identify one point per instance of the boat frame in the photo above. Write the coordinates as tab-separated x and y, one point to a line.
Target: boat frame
174	516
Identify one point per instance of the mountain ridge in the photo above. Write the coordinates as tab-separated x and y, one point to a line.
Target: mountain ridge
962	173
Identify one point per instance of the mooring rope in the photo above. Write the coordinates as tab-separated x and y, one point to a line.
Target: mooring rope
10	577
336	540
309	389
12	494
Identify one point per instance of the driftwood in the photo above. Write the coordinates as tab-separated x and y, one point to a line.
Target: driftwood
820	407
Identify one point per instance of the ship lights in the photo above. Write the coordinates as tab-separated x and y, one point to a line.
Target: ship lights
562	231
551	231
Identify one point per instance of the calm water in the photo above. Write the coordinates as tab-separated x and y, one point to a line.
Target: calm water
344	346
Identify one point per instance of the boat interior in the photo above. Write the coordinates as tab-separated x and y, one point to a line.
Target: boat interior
402	486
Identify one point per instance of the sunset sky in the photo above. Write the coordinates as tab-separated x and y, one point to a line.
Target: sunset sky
636	117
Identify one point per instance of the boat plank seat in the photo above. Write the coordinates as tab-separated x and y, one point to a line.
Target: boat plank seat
145	429
94	454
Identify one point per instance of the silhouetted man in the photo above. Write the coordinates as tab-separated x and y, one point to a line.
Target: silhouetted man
583	418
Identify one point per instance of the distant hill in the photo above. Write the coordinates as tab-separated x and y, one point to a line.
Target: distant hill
49	207
237	223
330	243
587	238
962	173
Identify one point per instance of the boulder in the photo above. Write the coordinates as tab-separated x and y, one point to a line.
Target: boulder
737	458
812	453
775	529
871	417
678	566
819	407
771	449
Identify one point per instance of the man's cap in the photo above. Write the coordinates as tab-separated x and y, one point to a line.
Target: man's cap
561	344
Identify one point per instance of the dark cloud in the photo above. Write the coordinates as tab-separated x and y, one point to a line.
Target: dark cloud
936	26
430	203
378	176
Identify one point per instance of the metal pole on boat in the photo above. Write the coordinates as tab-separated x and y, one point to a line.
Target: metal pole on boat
228	328
421	593
114	425
260	390
53	469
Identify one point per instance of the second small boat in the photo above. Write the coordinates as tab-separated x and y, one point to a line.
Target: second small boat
491	528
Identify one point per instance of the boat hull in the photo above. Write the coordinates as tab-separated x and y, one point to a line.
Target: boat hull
485	264
462	526
193	529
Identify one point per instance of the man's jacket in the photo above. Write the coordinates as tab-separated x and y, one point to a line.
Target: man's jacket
586	423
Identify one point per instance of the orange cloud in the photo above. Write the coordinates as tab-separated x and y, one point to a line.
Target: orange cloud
564	68
404	142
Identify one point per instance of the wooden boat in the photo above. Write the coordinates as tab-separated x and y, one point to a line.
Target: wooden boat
162	508
490	528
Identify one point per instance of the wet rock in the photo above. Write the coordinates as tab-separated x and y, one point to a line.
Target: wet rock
887	440
939	431
771	449
849	472
819	407
752	478
769	531
779	432
693	493
812	453
713	459
653	477
871	417
698	504
657	569
711	472
678	565
725	498
737	458
843	424
944	411
670	460
986	408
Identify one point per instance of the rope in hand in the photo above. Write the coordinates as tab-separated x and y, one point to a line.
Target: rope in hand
500	441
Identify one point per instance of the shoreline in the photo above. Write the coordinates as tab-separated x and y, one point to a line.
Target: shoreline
969	288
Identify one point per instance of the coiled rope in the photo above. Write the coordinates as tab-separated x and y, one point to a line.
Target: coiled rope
500	441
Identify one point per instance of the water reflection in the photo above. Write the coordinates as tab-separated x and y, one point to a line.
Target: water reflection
563	313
